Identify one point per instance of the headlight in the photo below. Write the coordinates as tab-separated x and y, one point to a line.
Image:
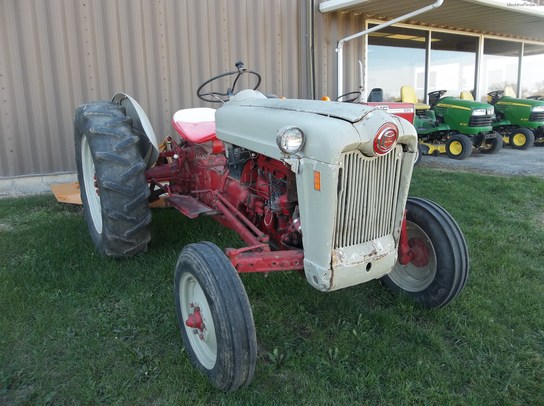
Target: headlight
538	109
490	111
290	139
479	112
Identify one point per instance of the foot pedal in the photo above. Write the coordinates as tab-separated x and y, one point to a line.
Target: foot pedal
189	206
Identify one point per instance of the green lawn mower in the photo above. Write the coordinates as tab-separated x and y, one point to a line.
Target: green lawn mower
520	121
452	125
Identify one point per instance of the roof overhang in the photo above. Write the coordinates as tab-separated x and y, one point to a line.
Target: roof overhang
508	18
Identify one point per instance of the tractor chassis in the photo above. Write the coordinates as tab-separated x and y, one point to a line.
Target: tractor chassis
257	256
166	179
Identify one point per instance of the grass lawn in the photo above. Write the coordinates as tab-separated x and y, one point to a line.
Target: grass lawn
76	328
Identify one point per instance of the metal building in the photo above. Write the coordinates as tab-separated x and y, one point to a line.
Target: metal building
57	54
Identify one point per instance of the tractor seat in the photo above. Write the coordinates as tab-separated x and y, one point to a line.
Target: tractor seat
408	95
466	95
376	95
196	125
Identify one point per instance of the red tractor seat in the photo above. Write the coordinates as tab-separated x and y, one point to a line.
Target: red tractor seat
196	125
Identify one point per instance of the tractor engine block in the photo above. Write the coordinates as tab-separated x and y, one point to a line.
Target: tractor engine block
270	200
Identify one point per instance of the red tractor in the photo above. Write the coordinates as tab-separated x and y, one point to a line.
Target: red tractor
310	186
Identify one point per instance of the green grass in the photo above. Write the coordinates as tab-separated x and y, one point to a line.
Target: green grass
76	328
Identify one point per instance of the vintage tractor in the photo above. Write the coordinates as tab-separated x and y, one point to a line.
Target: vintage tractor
453	126
310	186
520	121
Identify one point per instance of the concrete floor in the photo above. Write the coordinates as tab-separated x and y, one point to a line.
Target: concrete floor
33	184
508	162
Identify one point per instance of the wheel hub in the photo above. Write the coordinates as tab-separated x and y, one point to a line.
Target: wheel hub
420	252
195	321
519	139
456	148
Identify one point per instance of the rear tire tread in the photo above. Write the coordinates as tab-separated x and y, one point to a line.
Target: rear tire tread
120	176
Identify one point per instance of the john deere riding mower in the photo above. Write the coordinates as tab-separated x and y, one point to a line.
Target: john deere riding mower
520	121
453	126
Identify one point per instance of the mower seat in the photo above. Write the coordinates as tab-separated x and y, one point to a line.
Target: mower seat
466	95
196	125
508	91
408	95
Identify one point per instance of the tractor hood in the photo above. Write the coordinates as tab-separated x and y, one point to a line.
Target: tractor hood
512	101
527	113
461	104
252	121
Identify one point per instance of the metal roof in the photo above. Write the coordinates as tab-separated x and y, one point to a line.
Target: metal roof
509	18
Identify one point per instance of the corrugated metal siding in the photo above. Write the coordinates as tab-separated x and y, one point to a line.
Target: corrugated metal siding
57	54
329	29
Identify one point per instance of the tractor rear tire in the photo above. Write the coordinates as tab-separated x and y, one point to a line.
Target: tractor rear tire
459	147
214	316
521	138
440	272
492	145
111	175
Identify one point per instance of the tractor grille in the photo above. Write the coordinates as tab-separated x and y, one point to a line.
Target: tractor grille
480	121
538	116
367	197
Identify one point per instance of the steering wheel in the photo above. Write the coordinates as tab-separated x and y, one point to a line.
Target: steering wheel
437	93
435	96
496	93
218	97
350	97
494	96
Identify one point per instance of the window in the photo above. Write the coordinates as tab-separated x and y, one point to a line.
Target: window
396	57
499	66
532	79
453	63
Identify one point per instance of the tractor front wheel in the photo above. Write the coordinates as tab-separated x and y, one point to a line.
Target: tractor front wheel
111	175
439	266
492	145
459	146
521	138
214	316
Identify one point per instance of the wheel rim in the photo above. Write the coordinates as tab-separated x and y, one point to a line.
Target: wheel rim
411	277
519	140
456	148
93	199
193	304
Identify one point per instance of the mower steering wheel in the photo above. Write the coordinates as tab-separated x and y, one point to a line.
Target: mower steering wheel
437	93
350	97
496	93
218	97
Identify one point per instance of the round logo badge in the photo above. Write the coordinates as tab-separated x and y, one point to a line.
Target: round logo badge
385	138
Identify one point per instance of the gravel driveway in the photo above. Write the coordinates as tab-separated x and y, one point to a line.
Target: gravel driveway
508	161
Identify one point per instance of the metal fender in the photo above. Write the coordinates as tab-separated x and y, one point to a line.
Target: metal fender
149	147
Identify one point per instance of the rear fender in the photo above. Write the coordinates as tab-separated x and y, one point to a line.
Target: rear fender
149	147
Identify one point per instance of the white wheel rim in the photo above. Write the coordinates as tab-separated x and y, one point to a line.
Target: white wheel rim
93	199
410	277
203	342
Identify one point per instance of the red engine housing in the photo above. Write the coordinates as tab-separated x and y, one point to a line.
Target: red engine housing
252	194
